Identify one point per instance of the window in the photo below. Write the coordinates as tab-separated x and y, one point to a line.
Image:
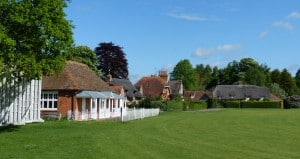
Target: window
49	100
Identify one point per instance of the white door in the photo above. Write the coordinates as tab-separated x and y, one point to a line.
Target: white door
94	108
83	111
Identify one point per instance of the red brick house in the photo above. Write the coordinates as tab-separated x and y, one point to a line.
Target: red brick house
159	86
79	94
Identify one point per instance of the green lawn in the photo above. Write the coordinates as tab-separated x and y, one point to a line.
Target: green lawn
230	133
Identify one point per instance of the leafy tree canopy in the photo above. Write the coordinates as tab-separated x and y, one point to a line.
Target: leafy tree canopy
84	54
112	60
184	71
34	37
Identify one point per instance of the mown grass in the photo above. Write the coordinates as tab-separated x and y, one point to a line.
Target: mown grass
229	133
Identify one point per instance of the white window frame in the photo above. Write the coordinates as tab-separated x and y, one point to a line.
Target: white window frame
49	99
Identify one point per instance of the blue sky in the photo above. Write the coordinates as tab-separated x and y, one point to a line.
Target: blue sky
157	34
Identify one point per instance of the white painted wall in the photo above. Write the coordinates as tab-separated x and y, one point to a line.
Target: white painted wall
20	102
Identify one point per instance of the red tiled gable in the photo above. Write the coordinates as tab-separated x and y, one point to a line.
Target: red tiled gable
152	86
274	98
118	88
197	95
75	76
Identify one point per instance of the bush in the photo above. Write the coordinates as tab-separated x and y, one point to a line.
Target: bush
260	104
174	105
232	104
292	102
196	105
212	103
159	104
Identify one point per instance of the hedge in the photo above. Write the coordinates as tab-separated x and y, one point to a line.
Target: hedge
232	104
212	103
260	104
191	105
244	104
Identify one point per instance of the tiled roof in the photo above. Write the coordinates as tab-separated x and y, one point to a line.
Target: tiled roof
175	86
274	98
197	95
129	89
117	88
75	76
152	86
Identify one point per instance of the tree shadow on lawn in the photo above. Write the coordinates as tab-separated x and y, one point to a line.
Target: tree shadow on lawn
9	128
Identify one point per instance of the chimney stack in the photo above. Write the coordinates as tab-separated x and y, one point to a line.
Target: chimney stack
163	75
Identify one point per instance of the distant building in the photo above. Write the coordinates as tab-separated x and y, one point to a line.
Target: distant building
197	95
159	86
130	92
241	92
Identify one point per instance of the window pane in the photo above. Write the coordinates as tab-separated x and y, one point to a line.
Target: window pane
50	104
45	104
45	96
55	104
50	96
55	96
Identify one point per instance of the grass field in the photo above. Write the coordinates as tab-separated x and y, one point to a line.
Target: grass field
230	133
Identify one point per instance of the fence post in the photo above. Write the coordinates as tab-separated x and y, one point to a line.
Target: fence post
134	116
122	114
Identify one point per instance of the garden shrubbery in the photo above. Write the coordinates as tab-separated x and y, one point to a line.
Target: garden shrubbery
171	105
260	104
244	104
292	102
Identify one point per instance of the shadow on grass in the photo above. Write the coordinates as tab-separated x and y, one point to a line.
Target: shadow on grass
9	128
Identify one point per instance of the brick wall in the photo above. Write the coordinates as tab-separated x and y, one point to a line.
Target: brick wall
65	102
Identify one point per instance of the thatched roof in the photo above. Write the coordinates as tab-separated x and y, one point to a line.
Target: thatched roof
240	92
75	76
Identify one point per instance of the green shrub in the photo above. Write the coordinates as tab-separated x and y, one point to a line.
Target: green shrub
159	104
232	104
212	103
197	105
292	102
260	104
174	105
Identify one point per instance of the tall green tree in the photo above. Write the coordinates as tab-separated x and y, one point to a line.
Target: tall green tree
275	76
34	37
214	80
254	76
287	82
203	74
184	71
297	78
112	60
230	74
84	54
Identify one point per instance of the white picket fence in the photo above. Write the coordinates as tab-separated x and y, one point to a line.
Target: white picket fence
133	114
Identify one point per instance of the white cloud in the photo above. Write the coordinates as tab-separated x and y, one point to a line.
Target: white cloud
283	25
294	15
227	47
264	34
207	52
189	17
